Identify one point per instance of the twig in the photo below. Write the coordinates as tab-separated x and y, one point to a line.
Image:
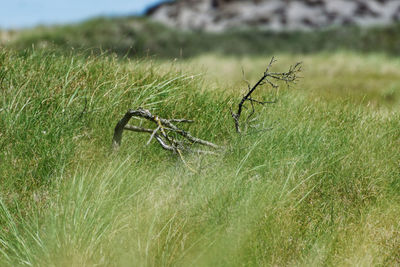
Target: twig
261	102
181	120
288	77
152	135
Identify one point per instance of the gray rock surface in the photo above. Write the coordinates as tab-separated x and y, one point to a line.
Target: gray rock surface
278	15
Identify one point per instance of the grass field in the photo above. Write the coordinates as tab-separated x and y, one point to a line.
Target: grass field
315	182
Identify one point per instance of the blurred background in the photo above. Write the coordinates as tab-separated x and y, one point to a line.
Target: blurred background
186	28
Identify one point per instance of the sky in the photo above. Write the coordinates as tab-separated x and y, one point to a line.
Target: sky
16	14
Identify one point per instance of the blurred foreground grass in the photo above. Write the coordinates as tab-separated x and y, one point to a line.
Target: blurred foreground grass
321	187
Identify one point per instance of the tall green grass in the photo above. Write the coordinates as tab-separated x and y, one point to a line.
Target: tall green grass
316	182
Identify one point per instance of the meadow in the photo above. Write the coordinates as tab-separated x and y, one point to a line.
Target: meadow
314	182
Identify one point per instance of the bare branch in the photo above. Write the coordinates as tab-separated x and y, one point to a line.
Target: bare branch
137	129
163	144
288	77
160	132
261	102
181	120
119	128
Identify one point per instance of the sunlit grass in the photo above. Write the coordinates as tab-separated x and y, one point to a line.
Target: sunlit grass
367	79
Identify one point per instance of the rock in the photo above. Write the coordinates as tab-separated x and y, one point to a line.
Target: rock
278	15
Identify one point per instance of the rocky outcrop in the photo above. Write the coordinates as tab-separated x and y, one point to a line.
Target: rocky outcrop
278	15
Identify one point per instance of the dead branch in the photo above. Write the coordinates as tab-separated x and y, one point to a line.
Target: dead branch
268	77
161	133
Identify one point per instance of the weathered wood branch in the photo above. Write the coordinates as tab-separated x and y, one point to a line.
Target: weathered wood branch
119	128
160	133
288	77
